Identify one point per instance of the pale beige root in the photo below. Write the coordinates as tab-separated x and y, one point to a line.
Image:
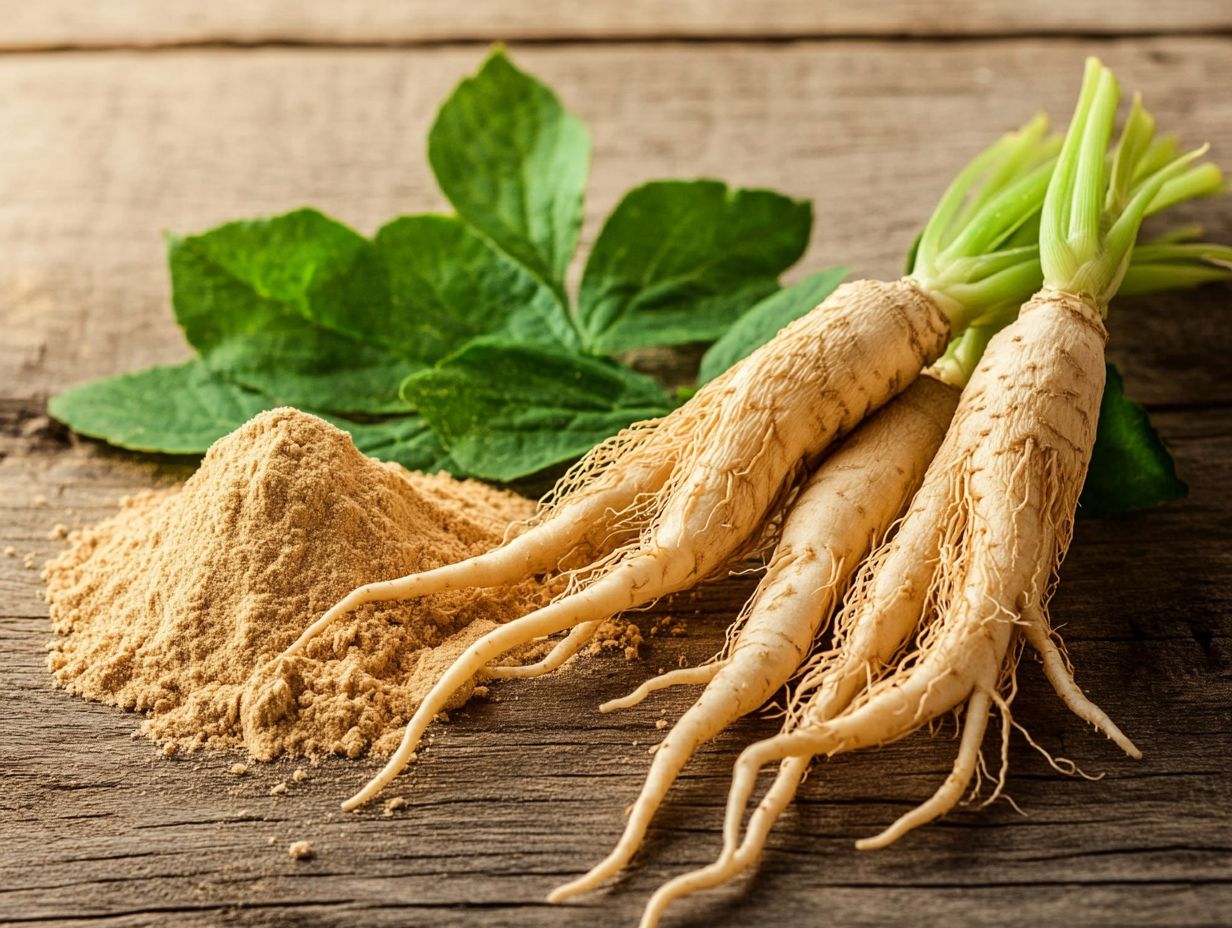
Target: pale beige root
729	865
842	511
564	649
965	654
1062	680
753	430
681	676
1013	465
721	460
910	430
890	716
951	791
1025	427
882	609
792	770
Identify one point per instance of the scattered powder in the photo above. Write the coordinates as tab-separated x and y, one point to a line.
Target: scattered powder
622	636
669	626
59	530
278	789
618	635
176	606
238	769
300	775
300	850
393	805
10	551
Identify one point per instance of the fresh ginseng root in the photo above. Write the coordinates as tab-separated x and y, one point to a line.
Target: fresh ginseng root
748	436
846	506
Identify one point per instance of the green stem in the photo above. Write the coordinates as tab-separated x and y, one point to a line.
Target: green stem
1173	265
1092	212
979	247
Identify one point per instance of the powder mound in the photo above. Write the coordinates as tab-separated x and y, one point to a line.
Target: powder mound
176	606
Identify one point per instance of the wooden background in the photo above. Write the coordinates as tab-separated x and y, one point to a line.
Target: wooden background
123	119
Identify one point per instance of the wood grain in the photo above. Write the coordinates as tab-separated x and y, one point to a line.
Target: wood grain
523	791
116	148
71	24
519	793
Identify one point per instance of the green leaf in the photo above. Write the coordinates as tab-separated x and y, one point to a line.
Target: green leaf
505	410
1130	465
408	440
678	261
448	285
250	297
179	409
513	163
763	321
183	409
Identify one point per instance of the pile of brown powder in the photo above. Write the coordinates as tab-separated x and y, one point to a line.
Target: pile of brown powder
176	606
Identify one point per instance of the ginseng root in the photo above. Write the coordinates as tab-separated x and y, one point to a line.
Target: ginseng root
846	506
749	436
1011	469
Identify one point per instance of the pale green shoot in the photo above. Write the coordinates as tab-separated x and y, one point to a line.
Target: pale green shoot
973	253
1092	212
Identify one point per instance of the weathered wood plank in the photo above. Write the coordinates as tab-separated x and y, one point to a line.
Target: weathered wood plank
520	792
113	149
65	23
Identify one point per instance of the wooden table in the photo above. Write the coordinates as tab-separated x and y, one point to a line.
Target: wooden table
119	120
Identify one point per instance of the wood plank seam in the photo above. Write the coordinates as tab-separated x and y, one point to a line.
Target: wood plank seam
748	40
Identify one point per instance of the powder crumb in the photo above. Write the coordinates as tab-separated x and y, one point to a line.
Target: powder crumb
10	551
617	635
238	769
300	850
278	789
59	530
271	841
39	501
668	626
168	749
28	561
660	724
178	605
300	775
393	805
